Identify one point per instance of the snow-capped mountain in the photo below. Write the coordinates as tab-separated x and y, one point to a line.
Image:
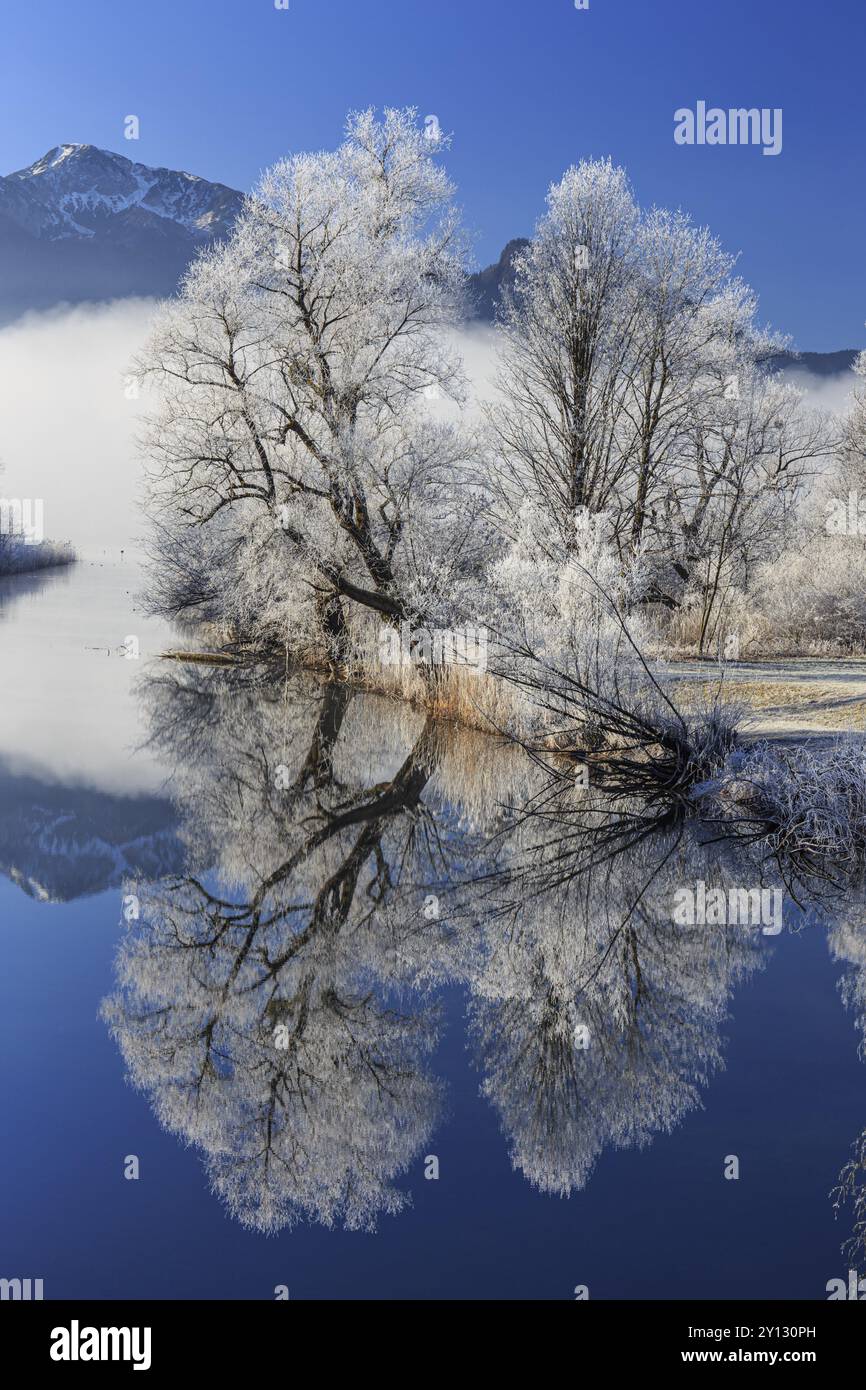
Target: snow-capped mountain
83	223
81	191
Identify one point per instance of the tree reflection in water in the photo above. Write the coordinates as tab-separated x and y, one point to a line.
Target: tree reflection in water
347	856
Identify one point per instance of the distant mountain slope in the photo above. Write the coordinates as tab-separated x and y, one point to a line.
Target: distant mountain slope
820	363
486	286
86	224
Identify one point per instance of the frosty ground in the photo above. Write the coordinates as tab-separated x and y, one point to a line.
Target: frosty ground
799	696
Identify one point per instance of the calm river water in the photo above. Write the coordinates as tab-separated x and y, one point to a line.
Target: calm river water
294	995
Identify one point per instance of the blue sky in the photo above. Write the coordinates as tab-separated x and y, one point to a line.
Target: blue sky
224	87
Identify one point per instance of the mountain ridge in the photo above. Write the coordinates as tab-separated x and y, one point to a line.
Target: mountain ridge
82	224
73	189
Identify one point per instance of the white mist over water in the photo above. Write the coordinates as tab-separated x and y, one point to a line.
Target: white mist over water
69	712
67	428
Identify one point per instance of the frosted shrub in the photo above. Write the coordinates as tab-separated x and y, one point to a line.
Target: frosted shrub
16	557
816	597
808	805
561	616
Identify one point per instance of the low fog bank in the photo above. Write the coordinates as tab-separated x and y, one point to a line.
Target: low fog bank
69	415
832	394
68	420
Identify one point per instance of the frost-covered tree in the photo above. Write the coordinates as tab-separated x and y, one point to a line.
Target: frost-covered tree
633	384
809	595
292	371
565	326
731	504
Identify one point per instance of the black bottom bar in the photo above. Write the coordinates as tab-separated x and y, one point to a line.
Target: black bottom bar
157	1338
